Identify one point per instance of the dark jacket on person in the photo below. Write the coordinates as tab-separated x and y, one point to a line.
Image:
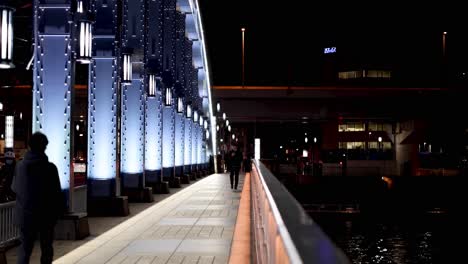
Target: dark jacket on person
247	162
6	177
234	160
39	198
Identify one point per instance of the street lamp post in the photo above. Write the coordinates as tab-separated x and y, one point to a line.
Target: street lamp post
444	58
243	58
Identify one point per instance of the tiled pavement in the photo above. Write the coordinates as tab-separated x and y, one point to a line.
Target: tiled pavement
195	225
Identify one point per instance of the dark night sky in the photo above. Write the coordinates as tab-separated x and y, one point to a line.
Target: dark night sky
285	40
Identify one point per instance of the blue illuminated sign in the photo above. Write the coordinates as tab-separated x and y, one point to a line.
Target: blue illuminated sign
329	50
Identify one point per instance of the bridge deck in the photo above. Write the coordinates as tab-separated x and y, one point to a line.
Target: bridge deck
194	225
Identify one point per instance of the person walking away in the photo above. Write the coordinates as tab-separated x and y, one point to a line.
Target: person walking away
247	164
39	200
235	160
6	177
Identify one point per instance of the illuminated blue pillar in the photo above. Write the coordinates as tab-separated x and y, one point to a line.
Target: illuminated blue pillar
180	93
133	96
169	108
179	143
194	86
168	139
199	143
154	105
189	106
53	78
195	126
153	139
103	100
188	144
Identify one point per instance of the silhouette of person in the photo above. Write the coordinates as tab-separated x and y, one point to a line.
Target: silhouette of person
235	160
39	200
6	177
247	163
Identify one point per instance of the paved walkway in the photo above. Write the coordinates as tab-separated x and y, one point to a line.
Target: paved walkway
194	225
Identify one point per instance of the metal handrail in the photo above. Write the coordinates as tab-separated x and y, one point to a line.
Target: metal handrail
283	231
9	233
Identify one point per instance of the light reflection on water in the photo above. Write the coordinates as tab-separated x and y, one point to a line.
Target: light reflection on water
408	241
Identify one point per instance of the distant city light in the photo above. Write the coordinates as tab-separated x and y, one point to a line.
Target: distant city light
305	153
380	139
306	140
9	132
6	37
1	106
281	147
315	140
257	148
329	50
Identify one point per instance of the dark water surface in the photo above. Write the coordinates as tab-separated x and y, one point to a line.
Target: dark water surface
403	239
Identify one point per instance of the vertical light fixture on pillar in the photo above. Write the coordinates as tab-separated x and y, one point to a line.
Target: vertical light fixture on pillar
188	113
224	116
218	107
85	27
168	97
126	66
9	132
6	38
154	83
180	105
195	116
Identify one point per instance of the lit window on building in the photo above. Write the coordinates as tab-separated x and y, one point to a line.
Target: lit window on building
351	145
377	74
351	127
384	145
350	75
372	126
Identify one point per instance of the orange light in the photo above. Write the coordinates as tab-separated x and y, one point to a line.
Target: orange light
388	180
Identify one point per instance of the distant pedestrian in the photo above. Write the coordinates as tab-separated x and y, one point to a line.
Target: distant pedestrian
247	163
6	177
39	200
234	165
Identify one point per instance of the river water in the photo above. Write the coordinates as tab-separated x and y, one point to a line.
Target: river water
412	239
